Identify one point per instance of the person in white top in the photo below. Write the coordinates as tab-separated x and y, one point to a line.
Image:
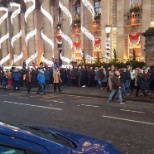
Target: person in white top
132	75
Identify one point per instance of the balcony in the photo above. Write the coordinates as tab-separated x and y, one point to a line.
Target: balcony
133	18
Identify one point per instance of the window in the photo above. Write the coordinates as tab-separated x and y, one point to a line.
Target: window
10	150
97	6
77	8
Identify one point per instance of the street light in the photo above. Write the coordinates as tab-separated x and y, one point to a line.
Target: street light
107	30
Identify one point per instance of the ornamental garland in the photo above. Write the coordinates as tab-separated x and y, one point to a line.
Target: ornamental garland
66	11
107	55
3	38
5	59
30	34
67	60
49	62
90	7
31	58
15	37
17	57
5	15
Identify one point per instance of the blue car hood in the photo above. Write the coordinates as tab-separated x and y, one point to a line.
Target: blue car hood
85	144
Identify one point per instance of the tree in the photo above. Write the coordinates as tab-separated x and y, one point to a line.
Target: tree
134	55
115	55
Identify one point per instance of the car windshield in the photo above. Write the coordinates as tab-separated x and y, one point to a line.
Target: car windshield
51	136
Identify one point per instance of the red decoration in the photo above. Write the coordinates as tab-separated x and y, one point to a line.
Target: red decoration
58	36
77	44
134	36
97	41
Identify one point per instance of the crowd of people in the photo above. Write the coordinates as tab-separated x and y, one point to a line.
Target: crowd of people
120	81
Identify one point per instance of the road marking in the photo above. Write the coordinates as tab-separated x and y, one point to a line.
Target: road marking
50	108
117	118
132	111
89	105
23	97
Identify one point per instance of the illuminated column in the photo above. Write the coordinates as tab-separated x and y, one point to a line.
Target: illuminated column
87	16
66	27
5	55
17	33
47	30
31	30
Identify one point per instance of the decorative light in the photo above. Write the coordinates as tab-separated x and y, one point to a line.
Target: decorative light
31	58
3	38
47	39
5	59
16	12
47	14
65	59
49	62
5	15
15	37
108	29
17	57
30	9
66	11
64	36
30	34
90	7
88	34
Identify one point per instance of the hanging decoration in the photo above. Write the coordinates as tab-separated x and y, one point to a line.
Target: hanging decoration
30	9
66	11
88	34
30	34
47	14
88	57
3	38
65	59
77	45
58	39
31	58
17	57
97	43
2	18
90	7
134	39
48	62
65	37
5	59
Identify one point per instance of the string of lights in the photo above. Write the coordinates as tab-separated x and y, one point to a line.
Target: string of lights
31	58
49	62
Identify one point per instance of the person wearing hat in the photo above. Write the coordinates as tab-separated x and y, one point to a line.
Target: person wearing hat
41	82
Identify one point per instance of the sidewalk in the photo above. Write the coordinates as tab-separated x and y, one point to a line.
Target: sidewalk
92	92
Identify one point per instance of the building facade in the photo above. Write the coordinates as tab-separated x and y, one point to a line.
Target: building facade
37	30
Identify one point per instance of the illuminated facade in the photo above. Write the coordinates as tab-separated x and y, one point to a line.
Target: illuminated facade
36	30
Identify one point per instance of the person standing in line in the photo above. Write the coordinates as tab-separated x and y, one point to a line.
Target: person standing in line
28	80
56	79
116	87
41	82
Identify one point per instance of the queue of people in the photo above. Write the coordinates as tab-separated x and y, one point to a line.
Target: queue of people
121	81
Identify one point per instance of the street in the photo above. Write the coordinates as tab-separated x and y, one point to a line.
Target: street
129	127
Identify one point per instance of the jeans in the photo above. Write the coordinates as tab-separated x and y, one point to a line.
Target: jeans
16	84
127	85
113	91
41	88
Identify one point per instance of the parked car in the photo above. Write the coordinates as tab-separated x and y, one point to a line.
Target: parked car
24	139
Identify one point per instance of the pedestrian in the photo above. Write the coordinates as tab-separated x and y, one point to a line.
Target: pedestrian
56	79
116	87
41	82
16	77
28	81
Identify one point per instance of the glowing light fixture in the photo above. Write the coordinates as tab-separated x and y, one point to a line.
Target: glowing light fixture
17	57
15	37
3	38
49	62
3	17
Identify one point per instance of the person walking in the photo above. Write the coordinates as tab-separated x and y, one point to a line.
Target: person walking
56	79
116	87
16	77
41	82
28	81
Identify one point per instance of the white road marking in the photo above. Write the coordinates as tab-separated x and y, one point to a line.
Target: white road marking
89	105
123	119
132	111
50	108
58	101
23	97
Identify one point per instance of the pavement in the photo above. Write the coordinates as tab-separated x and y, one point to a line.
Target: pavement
93	92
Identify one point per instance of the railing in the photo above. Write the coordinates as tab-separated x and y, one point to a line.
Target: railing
133	18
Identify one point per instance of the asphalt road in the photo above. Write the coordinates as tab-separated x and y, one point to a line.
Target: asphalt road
130	127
